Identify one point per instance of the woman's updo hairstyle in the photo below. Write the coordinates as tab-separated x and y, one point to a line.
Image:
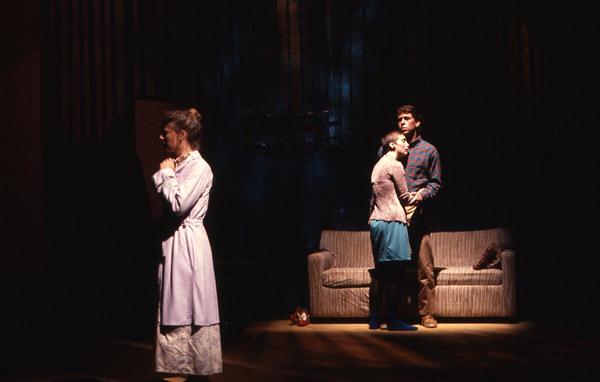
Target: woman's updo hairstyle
188	120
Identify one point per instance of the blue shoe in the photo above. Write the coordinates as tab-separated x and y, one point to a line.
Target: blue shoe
374	322
399	325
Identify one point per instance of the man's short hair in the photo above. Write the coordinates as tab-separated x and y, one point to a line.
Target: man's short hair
409	109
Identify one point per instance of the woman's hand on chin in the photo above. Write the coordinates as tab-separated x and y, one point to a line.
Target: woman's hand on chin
167	163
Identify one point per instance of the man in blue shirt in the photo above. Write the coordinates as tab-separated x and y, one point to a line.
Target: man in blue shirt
424	180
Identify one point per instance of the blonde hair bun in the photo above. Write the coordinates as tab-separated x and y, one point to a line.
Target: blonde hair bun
194	113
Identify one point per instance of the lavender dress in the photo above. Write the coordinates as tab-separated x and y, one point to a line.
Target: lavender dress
188	338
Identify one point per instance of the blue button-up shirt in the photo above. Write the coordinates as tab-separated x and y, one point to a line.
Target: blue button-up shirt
423	169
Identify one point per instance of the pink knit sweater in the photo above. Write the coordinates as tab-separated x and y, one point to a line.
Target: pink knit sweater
389	191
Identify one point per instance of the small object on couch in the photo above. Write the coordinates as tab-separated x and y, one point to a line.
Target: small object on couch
490	258
300	317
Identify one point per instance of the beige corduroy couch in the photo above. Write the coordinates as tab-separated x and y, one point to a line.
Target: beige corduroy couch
339	279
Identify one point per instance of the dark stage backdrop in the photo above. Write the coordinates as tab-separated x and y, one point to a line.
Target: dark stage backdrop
21	207
295	96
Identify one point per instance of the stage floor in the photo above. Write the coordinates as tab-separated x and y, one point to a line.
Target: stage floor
274	350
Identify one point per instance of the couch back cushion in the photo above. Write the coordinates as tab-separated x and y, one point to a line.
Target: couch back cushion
349	248
463	248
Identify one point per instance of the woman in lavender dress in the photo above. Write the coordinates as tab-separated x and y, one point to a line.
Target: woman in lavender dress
188	339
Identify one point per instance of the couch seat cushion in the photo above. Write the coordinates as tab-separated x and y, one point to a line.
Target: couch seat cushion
468	276
346	277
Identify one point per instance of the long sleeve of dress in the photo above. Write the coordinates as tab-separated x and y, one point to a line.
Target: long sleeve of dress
182	195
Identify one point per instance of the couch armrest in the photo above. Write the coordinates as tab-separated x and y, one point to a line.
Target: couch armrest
318	262
509	281
508	259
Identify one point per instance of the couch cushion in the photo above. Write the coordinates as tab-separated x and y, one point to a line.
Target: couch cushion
349	248
463	248
346	277
468	276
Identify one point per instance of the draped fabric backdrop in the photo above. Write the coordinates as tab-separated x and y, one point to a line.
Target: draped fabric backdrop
295	96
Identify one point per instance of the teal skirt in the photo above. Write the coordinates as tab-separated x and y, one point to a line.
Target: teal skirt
389	240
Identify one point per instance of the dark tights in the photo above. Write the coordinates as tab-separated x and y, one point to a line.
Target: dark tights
387	289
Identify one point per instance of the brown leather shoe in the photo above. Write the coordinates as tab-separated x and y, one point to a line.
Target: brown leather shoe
429	321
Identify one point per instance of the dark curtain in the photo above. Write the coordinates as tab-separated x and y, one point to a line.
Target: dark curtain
296	95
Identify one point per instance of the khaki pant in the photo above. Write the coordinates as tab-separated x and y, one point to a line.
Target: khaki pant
426	277
420	239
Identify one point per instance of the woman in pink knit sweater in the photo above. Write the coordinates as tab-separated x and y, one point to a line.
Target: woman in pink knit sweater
389	235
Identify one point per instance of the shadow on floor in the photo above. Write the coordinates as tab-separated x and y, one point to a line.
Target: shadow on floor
275	350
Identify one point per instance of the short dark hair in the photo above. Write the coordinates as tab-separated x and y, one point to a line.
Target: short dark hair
409	109
390	137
